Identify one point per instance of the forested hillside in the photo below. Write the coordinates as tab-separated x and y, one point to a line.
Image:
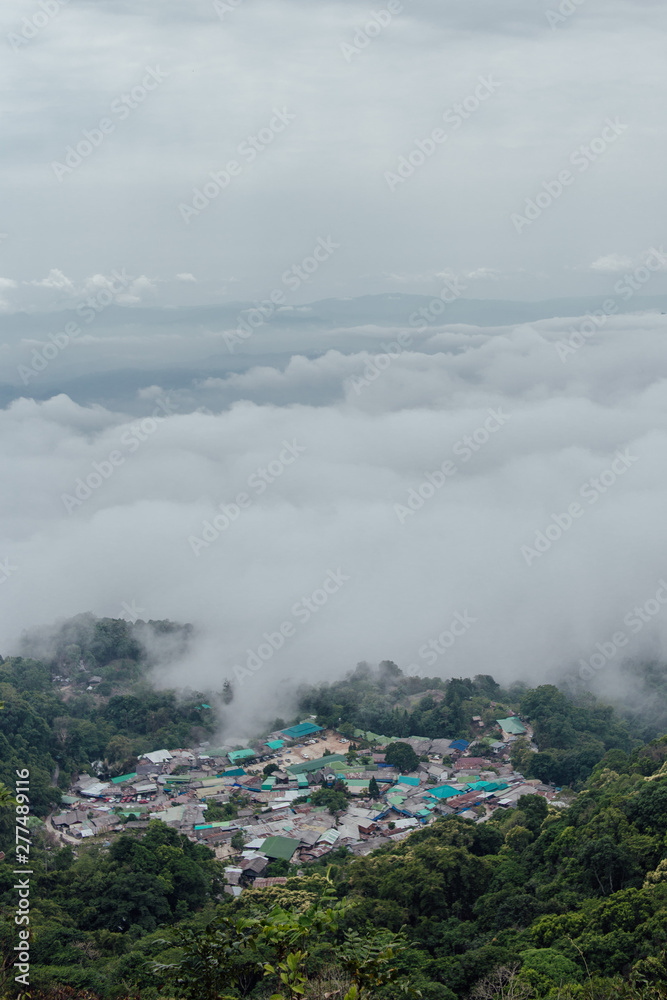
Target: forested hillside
569	903
539	901
56	723
572	736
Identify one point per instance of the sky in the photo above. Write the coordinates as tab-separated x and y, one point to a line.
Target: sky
338	331
345	95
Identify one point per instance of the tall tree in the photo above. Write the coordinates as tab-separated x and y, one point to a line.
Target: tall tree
402	756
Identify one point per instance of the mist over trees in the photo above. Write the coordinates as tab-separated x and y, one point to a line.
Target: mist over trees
536	902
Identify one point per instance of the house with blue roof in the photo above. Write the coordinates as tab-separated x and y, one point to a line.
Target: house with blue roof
459	745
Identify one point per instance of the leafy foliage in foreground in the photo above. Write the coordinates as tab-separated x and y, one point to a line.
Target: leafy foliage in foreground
232	955
535	903
538	903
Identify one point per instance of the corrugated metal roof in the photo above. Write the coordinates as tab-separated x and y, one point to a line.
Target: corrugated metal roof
488	786
157	756
303	729
322	763
280	847
329	836
235	755
442	791
96	790
512	725
145	786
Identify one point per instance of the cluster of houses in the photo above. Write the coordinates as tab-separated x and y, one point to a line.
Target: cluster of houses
273	818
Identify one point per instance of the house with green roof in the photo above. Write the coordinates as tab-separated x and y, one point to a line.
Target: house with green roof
357	786
223	824
236	755
372	737
303	729
512	726
321	763
487	786
443	792
280	848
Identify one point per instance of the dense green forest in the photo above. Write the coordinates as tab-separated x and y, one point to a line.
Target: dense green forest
386	701
57	729
572	736
561	903
537	902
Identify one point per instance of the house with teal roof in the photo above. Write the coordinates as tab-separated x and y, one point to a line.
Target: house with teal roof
512	726
303	729
444	792
236	755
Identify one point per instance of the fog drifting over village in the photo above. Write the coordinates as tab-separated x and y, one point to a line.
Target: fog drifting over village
369	368
479	476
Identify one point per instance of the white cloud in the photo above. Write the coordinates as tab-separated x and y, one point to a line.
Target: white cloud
56	281
484	274
335	505
613	263
137	290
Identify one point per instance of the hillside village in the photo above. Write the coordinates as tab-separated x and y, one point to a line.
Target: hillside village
273	818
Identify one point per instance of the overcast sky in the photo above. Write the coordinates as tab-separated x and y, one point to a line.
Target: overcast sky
362	95
369	476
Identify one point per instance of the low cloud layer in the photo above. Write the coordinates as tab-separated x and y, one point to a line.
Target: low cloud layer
513	476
